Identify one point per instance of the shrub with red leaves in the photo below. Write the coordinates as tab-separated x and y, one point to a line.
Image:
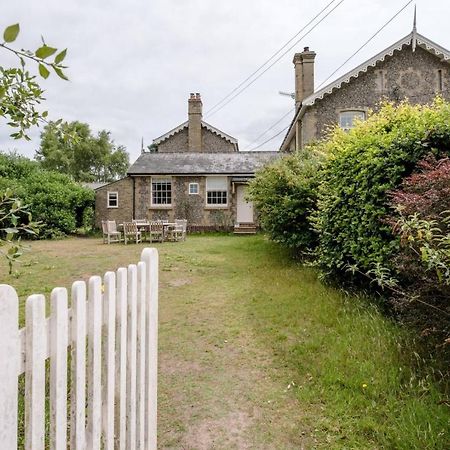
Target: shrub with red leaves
423	200
426	192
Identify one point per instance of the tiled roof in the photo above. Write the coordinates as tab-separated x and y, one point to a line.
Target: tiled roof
185	125
233	163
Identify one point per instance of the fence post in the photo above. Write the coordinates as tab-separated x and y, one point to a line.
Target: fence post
94	363
36	344
151	259
121	359
9	367
109	351
58	369
78	388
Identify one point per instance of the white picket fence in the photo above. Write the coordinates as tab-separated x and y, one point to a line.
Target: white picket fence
111	331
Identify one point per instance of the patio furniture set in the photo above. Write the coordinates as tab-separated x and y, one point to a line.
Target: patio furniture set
141	230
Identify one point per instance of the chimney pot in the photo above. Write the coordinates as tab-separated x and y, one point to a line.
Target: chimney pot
306	49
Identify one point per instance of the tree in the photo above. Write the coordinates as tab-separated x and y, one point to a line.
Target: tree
20	94
84	157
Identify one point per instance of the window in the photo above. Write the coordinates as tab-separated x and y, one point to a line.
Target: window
347	119
216	191
113	199
440	81
161	191
193	188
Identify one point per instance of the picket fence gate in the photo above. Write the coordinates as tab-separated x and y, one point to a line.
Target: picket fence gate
111	331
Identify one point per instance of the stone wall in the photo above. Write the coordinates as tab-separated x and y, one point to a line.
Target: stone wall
404	75
184	205
176	143
211	143
124	211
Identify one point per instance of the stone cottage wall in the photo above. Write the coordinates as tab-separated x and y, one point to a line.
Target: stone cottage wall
211	143
176	143
405	75
124	212
184	205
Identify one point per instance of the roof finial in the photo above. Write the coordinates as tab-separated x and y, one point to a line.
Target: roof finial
414	31
142	144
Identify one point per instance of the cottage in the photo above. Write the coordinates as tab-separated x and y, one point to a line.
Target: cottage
414	68
194	171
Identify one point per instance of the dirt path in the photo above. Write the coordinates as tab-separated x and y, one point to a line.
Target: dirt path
219	387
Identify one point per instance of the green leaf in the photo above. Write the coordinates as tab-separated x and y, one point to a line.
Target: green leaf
45	51
60	73
43	71
2	91
11	32
60	56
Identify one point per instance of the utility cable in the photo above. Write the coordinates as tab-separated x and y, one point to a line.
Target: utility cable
340	67
271	57
243	86
268	140
270	128
365	43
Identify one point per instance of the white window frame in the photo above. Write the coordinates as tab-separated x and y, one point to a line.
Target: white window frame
197	189
208	190
156	180
355	111
108	199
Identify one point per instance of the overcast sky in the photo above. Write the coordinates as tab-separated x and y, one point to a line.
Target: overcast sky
133	63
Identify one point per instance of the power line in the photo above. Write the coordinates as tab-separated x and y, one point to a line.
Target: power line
268	140
243	86
323	82
365	43
270	128
268	60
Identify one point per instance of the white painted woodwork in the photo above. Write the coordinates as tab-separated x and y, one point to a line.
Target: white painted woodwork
59	327
131	355
78	387
35	372
9	366
244	208
94	364
121	359
141	355
113	340
151	259
109	355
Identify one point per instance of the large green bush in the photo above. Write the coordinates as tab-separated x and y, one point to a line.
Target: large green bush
363	165
284	194
53	199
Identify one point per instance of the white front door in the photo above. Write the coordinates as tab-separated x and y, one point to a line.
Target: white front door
244	208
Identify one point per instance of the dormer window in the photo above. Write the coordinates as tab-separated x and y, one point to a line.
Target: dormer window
348	119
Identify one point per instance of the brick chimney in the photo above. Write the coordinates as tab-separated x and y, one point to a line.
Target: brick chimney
195	123
304	75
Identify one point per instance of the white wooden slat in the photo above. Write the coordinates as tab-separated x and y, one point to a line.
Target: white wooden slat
78	369
121	359
94	364
141	355
131	355
151	259
58	338
36	336
9	357
109	355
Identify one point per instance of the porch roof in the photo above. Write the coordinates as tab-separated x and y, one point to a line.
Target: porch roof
233	163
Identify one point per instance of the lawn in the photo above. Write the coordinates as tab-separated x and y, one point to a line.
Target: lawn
256	353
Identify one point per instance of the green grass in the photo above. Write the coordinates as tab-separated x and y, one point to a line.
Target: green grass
256	353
